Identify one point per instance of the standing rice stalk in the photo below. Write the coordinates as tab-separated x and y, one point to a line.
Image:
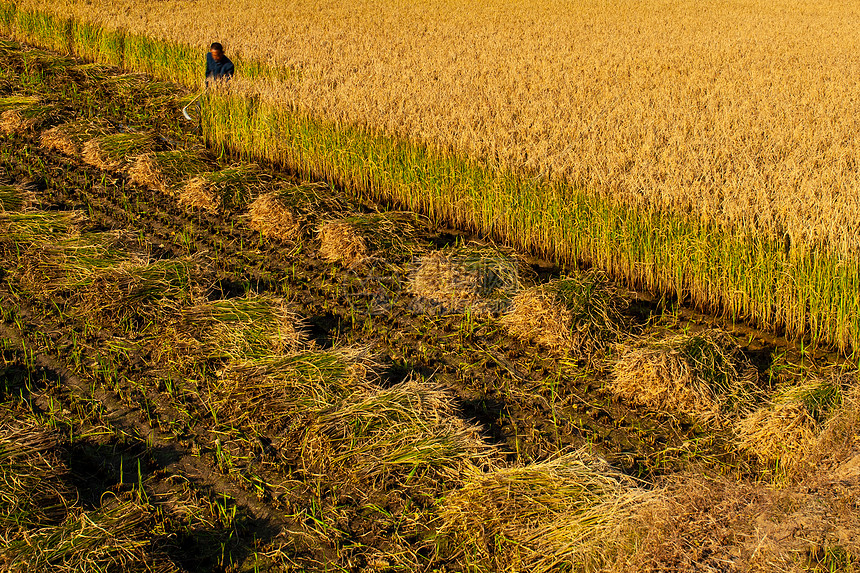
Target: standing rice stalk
581	315
573	513
702	375
628	188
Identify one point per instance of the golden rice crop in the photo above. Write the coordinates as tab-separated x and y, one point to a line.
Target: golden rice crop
732	110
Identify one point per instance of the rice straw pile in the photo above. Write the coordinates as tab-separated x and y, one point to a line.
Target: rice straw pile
271	216
701	375
116	152
480	280
231	187
570	513
70	137
785	431
165	171
580	315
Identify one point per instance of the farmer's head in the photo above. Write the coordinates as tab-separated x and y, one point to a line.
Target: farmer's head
217	51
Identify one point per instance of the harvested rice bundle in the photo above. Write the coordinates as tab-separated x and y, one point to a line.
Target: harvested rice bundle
581	315
165	171
479	279
21	113
231	187
56	139
358	239
391	433
12	121
571	513
92	72
196	194
16	198
703	375
242	328
115	152
340	241
46	62
34	488
37	228
284	213
785	431
10	198
70	137
95	278
273	217
116	537
311	198
271	393
838	444
47	268
130	290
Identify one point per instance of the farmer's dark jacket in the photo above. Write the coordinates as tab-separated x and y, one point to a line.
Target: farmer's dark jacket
218	70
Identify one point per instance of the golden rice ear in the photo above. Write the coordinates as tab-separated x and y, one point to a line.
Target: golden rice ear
197	193
11	121
55	140
340	242
269	215
144	172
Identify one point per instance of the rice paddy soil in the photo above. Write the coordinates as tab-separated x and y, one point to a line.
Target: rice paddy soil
142	328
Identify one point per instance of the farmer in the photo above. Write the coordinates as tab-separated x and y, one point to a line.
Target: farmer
218	66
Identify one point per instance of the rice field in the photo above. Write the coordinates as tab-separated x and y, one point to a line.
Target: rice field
207	364
716	171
